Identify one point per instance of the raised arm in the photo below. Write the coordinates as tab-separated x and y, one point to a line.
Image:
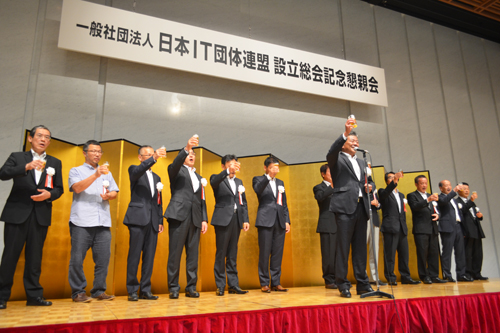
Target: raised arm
259	183
215	180
321	193
136	171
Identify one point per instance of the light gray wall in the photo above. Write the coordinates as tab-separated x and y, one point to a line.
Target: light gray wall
443	90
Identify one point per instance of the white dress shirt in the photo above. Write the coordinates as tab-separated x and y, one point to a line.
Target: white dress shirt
272	182
38	173
355	166
232	183
194	179
149	173
398	199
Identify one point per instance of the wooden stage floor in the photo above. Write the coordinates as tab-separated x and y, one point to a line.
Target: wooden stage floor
65	311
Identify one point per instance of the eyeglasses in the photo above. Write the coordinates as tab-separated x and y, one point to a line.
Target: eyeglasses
40	135
192	153
97	152
147	155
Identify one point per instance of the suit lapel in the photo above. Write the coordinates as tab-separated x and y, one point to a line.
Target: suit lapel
429	205
188	175
349	164
146	179
156	180
41	183
270	187
400	209
226	181
29	158
324	185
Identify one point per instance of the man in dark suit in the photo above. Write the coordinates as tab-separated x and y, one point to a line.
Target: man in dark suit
473	232
450	229
327	227
186	215
350	203
144	219
230	216
395	230
27	214
425	231
272	223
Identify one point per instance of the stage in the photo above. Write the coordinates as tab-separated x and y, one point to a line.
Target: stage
449	307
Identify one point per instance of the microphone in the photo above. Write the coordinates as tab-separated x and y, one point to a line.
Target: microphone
361	150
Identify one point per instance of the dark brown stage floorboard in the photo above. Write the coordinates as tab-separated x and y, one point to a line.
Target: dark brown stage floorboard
65	311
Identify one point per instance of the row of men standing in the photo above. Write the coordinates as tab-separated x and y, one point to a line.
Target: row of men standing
38	182
344	201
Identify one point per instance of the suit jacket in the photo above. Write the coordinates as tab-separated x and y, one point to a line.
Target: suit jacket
143	207
225	200
422	211
19	205
448	218
373	194
393	221
471	223
346	184
268	203
326	222
184	199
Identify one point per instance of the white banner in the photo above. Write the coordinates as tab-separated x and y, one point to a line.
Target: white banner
114	33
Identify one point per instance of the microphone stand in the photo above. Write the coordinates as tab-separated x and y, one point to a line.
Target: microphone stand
375	293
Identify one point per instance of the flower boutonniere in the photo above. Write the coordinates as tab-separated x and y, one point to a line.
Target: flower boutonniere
49	183
281	190
159	187
241	190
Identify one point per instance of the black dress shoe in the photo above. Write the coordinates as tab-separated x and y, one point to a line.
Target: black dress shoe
133	297
345	293
380	283
39	301
409	281
392	283
361	292
427	280
480	277
236	290
148	295
3	305
438	280
465	278
192	293
174	295
331	286
219	292
449	279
